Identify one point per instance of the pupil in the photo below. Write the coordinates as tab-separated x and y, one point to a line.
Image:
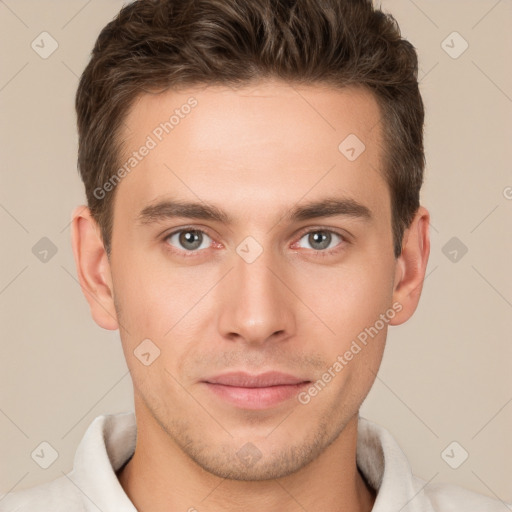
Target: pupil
321	239
190	239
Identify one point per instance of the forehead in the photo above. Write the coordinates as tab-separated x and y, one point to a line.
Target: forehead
313	112
278	141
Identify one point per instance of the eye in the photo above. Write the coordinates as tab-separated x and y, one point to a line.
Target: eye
189	240
320	240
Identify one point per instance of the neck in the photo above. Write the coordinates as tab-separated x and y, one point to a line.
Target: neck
160	477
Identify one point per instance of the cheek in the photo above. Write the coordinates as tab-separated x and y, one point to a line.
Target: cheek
347	298
353	305
153	296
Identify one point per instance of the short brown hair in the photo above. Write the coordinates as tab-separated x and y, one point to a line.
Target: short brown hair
161	44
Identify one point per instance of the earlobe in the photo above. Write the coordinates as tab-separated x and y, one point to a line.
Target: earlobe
93	268
411	266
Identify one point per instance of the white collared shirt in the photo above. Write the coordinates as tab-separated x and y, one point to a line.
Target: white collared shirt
109	442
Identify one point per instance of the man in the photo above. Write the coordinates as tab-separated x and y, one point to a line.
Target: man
252	172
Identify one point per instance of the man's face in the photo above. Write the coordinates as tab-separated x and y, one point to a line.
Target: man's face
268	284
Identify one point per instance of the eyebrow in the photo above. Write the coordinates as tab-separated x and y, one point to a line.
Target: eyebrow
329	207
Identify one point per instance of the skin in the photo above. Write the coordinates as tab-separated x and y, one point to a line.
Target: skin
255	153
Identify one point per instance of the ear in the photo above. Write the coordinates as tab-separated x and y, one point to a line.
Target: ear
93	268
411	266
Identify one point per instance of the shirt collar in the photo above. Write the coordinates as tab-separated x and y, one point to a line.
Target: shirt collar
107	444
387	470
110	441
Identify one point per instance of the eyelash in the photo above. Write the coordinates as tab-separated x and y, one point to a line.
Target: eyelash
317	253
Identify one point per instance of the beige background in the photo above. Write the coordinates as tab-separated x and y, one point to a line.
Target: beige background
446	374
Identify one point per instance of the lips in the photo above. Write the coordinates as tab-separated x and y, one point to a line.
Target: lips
260	391
263	380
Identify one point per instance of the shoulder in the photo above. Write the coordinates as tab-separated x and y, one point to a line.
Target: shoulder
452	498
386	468
57	496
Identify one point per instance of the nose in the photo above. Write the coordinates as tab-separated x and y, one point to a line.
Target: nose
255	305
